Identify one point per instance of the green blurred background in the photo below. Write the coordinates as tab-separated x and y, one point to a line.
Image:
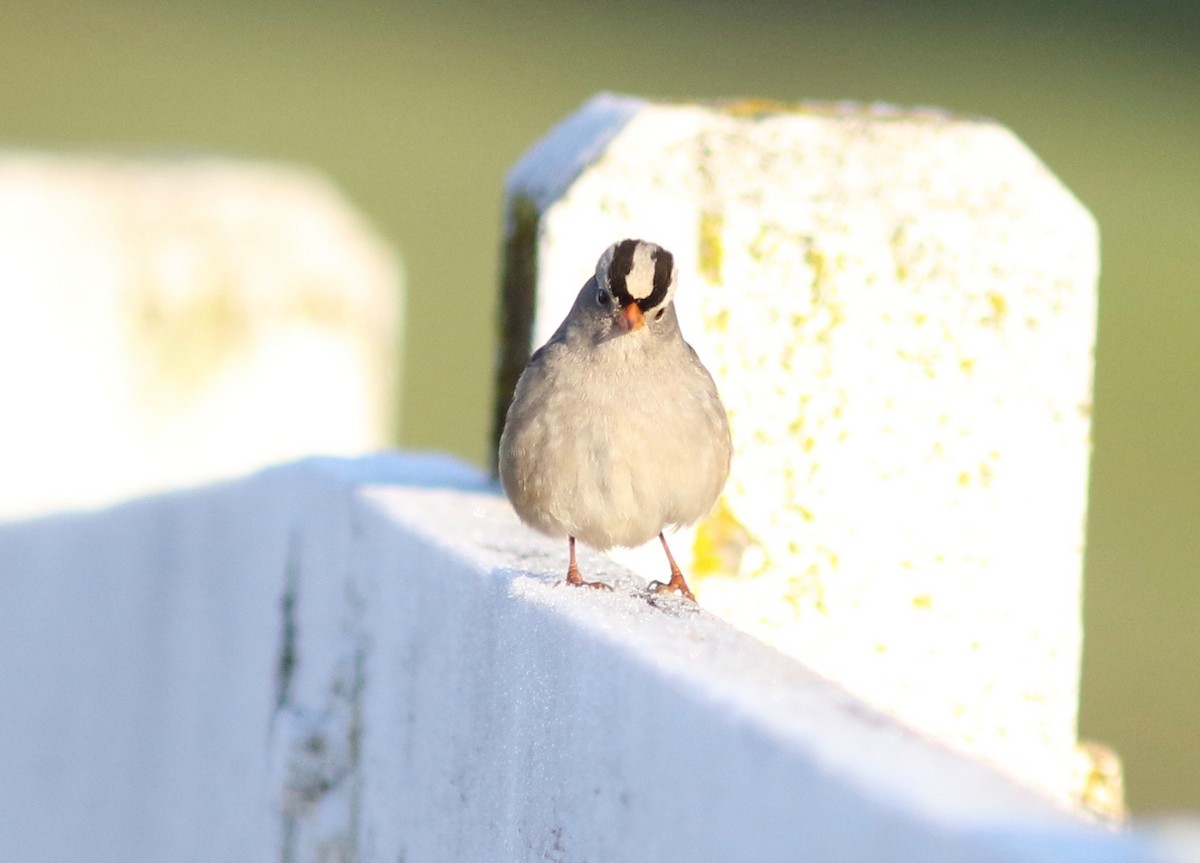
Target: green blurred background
417	110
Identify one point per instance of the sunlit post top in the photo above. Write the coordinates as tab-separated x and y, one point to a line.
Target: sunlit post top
899	307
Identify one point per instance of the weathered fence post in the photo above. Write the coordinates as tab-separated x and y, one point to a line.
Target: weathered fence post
899	308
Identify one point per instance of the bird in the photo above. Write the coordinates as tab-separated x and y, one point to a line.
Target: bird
616	431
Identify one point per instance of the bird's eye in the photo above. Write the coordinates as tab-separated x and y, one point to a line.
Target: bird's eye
658	316
602	297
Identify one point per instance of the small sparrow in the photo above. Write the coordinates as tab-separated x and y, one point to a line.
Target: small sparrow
616	431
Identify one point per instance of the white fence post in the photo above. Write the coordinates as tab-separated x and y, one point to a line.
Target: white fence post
170	321
899	308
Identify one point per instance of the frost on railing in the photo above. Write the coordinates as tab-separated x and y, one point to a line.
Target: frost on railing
373	660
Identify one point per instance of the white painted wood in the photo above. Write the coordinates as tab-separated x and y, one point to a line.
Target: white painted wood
899	309
372	660
171	321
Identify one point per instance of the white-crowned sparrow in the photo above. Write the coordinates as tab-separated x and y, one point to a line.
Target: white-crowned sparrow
616	430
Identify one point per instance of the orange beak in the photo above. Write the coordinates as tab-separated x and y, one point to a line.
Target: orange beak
630	318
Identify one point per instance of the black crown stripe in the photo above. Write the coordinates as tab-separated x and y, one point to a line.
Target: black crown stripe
622	266
619	270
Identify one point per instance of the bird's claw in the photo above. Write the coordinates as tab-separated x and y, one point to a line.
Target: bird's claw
598	585
671	588
576	580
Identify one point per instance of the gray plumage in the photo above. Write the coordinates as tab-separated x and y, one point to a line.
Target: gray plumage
616	431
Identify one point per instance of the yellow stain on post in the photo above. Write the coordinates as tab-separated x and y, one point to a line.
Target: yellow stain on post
720	543
712	252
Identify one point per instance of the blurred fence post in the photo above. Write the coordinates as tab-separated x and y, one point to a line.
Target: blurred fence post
168	321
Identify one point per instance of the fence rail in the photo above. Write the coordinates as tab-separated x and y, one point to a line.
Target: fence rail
371	660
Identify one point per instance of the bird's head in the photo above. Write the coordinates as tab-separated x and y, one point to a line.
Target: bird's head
635	283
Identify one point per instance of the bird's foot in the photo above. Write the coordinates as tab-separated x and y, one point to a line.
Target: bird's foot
675	585
576	580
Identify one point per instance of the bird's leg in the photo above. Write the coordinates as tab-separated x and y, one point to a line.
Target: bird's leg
676	583
575	579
